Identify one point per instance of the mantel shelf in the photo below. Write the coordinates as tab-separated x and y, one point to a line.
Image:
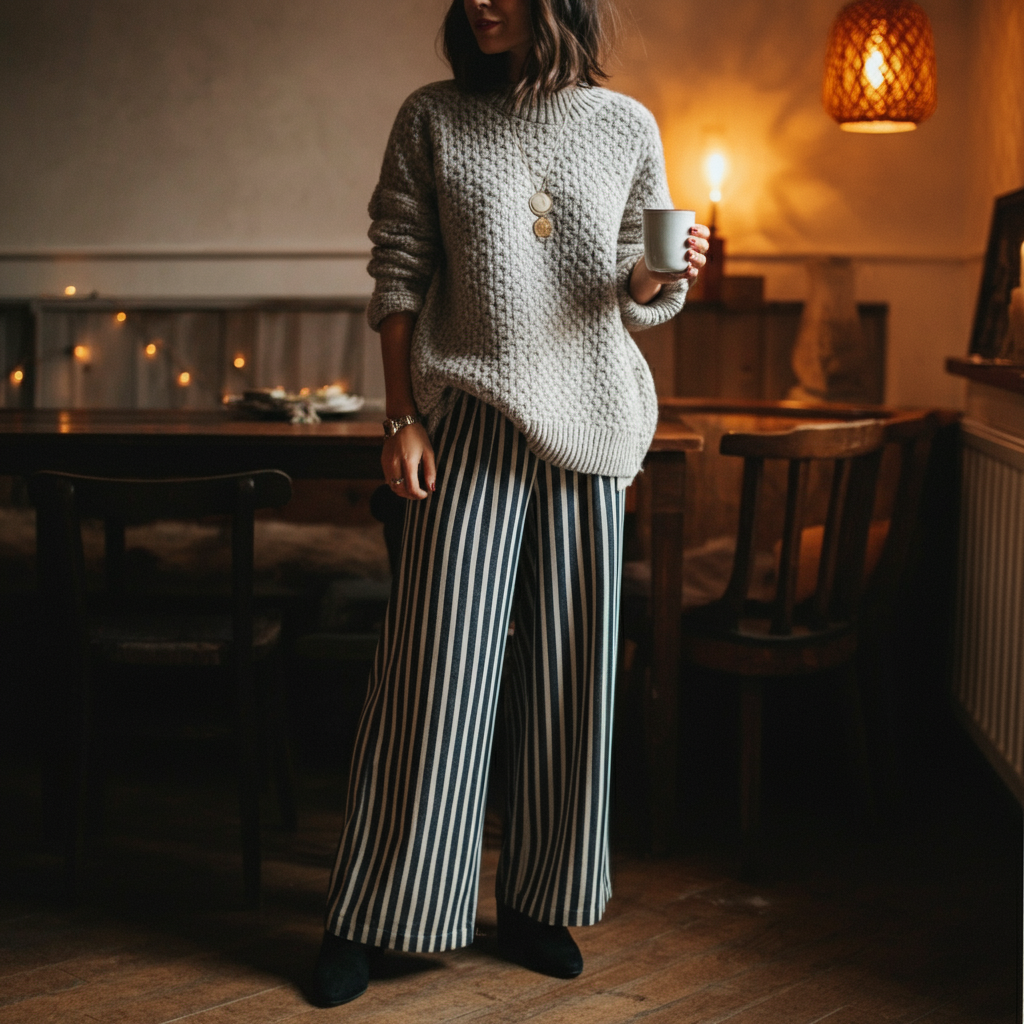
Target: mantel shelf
996	373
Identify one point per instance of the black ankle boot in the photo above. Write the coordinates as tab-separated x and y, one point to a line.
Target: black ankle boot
545	948
342	971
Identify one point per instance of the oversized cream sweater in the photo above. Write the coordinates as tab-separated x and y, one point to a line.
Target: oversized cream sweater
535	327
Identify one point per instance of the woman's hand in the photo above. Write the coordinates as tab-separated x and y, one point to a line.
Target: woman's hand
404	455
644	284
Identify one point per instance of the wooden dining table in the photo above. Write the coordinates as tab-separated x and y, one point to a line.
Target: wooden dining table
169	443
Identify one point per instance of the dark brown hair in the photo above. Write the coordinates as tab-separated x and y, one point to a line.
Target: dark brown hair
568	39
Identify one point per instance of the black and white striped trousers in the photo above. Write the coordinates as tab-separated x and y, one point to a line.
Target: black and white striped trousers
505	534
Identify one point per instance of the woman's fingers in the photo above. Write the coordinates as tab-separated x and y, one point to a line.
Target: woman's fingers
411	468
698	245
429	468
402	458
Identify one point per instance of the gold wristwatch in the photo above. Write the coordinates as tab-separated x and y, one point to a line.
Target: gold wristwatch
392	427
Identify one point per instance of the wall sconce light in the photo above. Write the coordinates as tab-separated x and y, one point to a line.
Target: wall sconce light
70	290
239	362
880	67
82	353
121	317
184	378
151	351
17	376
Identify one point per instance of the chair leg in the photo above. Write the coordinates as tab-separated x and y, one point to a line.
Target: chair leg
68	770
276	730
856	738
248	784
878	690
751	702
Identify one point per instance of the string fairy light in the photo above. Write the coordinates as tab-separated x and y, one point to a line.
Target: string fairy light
177	365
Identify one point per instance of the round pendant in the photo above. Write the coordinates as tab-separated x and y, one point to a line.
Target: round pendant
540	203
542	227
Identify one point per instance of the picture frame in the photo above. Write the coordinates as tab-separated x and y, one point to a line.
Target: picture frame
990	335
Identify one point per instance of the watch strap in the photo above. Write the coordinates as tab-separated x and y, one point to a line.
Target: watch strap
392	427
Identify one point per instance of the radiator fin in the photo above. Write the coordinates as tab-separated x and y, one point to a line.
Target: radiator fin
989	661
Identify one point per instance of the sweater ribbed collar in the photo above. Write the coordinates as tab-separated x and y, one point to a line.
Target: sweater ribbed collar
553	109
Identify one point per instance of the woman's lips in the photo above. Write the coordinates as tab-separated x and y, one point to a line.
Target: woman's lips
483	25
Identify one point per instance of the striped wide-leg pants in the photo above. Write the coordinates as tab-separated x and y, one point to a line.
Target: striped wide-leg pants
504	535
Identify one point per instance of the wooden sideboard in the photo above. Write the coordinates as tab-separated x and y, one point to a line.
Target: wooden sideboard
743	350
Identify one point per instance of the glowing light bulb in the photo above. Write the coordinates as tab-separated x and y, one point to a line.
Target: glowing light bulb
715	168
17	376
121	317
874	68
239	362
82	353
151	350
70	290
184	378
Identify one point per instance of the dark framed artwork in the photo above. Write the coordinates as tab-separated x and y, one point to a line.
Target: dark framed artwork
990	337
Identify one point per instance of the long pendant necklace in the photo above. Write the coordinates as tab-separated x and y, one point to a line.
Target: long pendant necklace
541	202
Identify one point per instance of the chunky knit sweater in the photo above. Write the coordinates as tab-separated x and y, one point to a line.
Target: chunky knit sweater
536	327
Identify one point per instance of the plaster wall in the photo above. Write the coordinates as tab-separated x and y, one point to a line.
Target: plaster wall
190	149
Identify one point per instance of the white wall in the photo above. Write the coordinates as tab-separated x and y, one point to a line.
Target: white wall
255	128
192	126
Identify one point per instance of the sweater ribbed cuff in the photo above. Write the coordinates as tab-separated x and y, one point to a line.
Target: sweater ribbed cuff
384	303
665	305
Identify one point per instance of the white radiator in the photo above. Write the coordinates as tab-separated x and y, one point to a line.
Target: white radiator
988	669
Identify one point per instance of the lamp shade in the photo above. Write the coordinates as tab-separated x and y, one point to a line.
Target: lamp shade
880	67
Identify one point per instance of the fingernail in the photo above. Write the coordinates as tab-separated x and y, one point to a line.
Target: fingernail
432	486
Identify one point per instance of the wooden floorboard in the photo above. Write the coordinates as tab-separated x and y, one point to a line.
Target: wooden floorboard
920	926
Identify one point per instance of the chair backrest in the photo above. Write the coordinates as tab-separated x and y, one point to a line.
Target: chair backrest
854	448
63	500
912	433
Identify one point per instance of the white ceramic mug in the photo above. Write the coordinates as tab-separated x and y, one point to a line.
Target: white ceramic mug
665	235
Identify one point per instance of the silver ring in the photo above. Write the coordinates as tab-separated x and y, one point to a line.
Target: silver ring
398	481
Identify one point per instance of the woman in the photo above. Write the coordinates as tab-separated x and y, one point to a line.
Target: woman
508	265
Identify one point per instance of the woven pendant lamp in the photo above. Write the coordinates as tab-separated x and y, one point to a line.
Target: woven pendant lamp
880	67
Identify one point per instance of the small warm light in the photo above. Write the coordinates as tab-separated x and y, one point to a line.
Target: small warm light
70	290
121	317
303	392
715	168
17	376
874	68
82	353
151	350
184	378
239	362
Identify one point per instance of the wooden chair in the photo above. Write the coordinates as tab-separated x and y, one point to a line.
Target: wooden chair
759	640
123	628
